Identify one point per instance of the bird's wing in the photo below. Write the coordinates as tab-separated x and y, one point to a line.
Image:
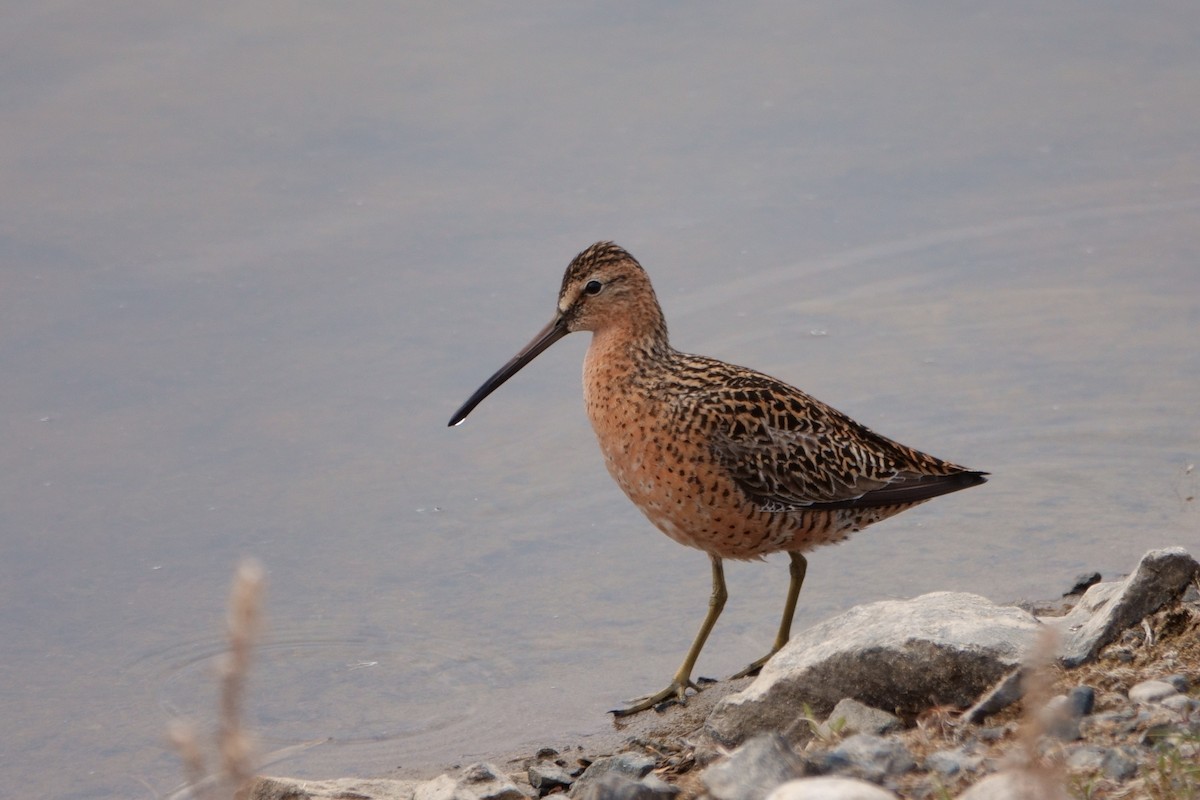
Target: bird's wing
789	451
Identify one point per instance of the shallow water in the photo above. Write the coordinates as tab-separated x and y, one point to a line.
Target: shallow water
253	260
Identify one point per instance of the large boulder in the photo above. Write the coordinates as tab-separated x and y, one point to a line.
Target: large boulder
943	648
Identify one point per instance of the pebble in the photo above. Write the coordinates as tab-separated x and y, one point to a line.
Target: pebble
615	786
1016	785
546	776
1120	763
751	771
829	789
1120	721
634	766
487	782
873	758
484	781
1087	758
952	762
1151	691
1063	714
1181	704
1081	700
1163	735
1083	582
1008	691
1180	682
993	733
851	716
1122	655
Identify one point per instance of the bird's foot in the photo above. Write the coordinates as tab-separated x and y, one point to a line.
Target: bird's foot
753	668
676	692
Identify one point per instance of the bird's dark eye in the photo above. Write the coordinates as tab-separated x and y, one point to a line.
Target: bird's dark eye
593	287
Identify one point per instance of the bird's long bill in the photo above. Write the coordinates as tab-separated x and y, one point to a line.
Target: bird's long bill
546	337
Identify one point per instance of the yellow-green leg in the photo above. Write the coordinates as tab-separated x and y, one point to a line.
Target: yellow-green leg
677	690
796	569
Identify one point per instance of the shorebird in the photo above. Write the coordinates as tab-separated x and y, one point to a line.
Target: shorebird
719	457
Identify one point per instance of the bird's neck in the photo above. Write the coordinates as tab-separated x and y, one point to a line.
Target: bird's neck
619	355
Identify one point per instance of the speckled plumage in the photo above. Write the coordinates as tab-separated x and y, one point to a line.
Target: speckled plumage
719	457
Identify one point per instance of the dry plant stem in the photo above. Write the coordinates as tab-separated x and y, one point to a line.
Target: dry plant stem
245	604
1038	680
183	738
236	765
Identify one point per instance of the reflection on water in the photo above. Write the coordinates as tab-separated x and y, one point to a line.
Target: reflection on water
252	263
305	689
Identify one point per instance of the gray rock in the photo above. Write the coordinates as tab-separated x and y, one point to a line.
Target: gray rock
827	762
851	716
873	758
1017	785
1180	682
630	765
1121	721
943	648
1081	700
1007	691
1061	718
829	789
1087	758
1151	692
1120	764
294	789
655	788
486	782
1166	736
1117	716
1122	655
952	762
1181	704
1191	595
1116	763
753	770
480	781
616	786
546	776
995	733
1083	582
1107	609
443	787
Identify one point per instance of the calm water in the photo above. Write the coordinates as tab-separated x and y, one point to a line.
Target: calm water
253	255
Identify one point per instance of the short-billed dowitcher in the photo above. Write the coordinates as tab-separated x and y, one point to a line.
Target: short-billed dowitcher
719	457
